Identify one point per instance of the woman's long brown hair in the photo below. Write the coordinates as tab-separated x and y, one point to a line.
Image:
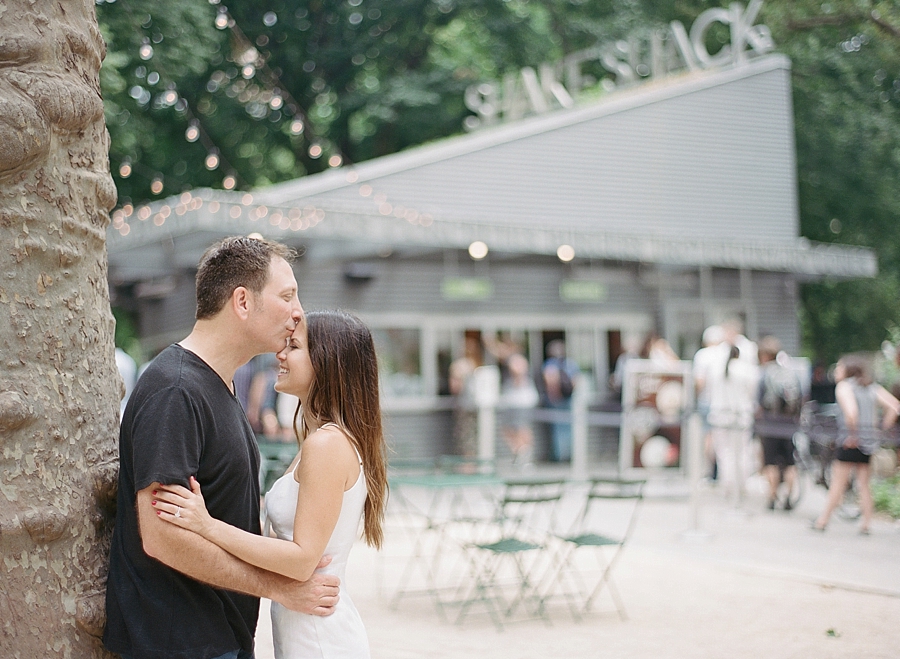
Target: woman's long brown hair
345	392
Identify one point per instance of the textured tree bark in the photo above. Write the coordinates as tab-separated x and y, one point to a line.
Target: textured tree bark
59	388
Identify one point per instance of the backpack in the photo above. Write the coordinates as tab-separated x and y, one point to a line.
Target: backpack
566	386
780	391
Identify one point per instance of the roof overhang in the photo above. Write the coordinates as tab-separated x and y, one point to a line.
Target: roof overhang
176	231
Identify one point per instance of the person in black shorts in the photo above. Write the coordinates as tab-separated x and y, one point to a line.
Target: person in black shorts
859	400
172	594
778	417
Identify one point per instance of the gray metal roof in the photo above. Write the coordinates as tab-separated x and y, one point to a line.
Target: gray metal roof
697	170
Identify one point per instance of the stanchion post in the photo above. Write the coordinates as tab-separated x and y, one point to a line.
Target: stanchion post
580	396
695	474
487	395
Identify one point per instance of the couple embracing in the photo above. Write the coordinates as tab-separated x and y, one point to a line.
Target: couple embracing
188	562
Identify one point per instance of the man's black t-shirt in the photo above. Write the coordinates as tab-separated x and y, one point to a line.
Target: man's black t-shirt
181	420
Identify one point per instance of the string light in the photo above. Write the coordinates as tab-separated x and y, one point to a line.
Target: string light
565	253
125	169
156	186
212	160
478	250
251	63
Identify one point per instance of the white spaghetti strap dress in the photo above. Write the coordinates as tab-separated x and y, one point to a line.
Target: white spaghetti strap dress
342	634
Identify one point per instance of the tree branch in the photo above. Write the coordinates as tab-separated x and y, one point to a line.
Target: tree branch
839	20
821	21
893	30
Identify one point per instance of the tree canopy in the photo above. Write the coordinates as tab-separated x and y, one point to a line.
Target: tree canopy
200	94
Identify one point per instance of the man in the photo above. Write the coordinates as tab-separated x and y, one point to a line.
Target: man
560	374
171	594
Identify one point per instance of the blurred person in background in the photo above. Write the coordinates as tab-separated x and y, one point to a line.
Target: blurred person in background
733	335
778	418
632	350
262	406
658	350
559	375
518	398
732	387
704	359
859	400
465	408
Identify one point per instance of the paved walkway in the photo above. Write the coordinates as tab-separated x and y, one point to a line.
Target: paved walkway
753	584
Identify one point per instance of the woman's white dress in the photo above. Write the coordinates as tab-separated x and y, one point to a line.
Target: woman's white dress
342	634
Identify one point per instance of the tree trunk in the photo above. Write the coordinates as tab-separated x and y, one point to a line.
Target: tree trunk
59	388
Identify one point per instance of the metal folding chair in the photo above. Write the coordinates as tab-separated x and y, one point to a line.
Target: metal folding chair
502	568
275	458
602	528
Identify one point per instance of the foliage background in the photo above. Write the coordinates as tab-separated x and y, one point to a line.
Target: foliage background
371	77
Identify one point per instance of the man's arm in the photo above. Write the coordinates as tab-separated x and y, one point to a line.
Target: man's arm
200	559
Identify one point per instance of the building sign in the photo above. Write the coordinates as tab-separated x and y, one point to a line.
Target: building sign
467	288
581	290
653	54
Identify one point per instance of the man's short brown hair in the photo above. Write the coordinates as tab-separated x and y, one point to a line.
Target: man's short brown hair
232	262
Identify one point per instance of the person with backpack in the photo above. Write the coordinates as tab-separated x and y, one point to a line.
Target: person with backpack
559	375
777	419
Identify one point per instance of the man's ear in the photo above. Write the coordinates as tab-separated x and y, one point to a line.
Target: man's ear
241	302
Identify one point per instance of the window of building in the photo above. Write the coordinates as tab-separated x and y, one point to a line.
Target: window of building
399	363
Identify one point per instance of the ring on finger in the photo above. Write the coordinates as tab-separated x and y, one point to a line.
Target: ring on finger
178	512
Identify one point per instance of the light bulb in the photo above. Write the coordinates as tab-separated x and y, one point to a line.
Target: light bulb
565	253
478	250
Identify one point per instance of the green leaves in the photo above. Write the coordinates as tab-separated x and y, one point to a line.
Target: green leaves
366	78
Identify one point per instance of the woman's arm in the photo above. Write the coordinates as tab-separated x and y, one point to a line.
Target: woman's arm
891	407
323	474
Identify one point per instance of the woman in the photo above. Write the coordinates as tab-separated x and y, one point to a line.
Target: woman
338	476
732	386
858	400
518	397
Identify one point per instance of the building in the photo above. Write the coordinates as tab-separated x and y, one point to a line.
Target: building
673	203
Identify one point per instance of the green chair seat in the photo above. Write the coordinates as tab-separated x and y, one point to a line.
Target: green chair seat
591	540
509	546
